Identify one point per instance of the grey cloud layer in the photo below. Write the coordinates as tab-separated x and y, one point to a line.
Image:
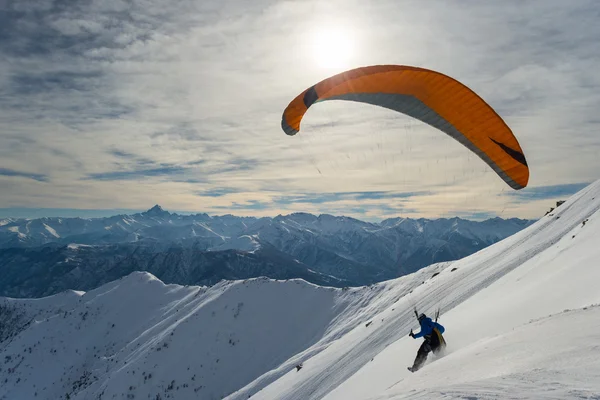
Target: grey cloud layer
188	98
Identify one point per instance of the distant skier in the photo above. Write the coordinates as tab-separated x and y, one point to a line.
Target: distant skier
434	341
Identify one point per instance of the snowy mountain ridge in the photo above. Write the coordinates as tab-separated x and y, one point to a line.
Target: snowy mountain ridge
41	257
223	329
159	225
44	271
503	308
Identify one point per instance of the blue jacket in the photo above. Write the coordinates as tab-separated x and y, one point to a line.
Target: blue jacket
427	326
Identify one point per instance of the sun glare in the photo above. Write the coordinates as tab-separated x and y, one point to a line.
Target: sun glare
333	48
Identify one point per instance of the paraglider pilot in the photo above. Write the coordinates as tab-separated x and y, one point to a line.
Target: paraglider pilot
434	341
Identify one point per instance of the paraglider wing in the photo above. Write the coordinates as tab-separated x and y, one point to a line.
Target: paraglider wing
428	96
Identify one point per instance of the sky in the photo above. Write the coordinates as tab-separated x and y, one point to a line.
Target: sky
112	104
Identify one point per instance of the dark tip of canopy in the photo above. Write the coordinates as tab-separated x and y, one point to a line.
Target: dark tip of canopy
513	153
286	128
310	97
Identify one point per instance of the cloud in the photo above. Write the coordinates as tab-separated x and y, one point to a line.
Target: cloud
122	154
246	206
24	84
21	174
186	100
477	216
17	212
319	198
217	192
137	174
130	158
547	192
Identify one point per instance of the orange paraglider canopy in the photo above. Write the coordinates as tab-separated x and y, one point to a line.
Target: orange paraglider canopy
431	97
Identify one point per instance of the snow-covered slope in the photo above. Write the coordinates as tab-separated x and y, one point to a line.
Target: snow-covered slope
244	243
555	357
542	270
138	338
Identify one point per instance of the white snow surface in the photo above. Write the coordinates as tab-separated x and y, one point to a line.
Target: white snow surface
521	316
247	243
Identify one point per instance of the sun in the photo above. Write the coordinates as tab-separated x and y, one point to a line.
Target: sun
333	48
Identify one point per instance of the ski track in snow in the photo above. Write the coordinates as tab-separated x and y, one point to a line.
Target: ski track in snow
503	308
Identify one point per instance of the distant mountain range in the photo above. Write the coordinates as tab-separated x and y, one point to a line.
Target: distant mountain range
43	256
